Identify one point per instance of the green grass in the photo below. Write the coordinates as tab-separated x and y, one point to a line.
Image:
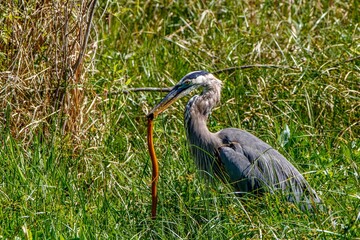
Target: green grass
51	189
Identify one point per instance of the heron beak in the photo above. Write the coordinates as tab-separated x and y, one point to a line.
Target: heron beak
169	99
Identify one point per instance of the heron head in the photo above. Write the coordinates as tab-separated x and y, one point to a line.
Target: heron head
187	84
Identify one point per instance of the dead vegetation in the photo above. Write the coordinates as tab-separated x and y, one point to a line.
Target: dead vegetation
42	83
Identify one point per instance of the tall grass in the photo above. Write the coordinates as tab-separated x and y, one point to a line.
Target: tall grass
99	185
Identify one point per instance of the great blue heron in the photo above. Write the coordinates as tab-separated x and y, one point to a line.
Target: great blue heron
234	155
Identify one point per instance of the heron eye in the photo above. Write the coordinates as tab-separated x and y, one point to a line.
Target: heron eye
187	82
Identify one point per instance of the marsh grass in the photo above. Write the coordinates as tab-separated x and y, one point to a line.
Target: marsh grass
102	190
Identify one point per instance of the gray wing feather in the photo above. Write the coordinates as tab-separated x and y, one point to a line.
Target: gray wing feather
253	165
242	175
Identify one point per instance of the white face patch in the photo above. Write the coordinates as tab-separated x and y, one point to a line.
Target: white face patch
199	80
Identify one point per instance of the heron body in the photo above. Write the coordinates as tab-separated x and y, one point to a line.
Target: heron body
233	155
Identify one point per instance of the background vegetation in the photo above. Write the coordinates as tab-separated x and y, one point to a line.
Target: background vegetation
73	156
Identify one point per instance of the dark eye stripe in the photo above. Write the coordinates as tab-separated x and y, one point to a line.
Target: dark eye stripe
196	74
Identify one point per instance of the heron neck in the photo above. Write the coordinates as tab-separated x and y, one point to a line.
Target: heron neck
197	113
201	140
